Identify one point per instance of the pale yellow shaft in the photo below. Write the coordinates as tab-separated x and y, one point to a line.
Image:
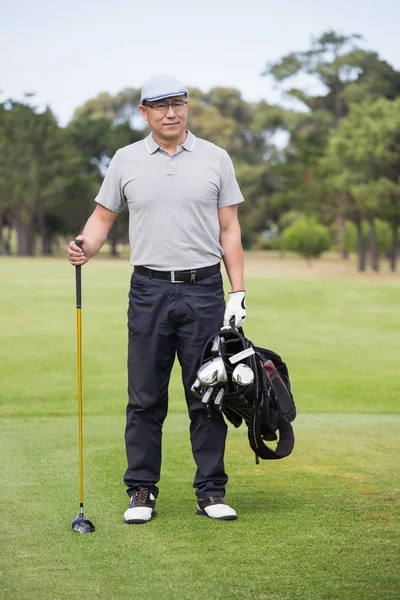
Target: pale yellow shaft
79	339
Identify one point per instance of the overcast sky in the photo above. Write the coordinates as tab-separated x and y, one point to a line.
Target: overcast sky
68	52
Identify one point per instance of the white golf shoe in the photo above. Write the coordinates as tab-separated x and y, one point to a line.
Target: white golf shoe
215	508
141	507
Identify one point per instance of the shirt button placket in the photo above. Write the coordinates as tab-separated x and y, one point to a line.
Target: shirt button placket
171	169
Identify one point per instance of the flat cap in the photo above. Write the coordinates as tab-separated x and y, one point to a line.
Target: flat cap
162	86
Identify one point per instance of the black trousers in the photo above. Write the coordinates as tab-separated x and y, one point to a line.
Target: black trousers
166	320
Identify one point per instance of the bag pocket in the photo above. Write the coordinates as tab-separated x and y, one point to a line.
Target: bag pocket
283	396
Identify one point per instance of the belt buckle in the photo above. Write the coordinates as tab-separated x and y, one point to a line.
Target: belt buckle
173	280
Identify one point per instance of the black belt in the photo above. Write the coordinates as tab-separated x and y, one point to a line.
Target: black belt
180	276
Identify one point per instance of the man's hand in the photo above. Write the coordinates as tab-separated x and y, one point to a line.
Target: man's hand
78	256
236	307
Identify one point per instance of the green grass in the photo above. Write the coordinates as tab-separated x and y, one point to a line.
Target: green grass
321	524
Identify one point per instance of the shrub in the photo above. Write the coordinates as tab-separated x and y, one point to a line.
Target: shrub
307	237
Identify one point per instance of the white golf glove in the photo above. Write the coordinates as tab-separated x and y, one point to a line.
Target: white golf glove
235	308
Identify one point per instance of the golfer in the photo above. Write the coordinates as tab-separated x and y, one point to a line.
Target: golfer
183	198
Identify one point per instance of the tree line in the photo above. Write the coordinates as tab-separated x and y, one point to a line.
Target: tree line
322	171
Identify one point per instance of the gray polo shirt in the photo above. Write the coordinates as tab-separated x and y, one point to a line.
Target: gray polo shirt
173	201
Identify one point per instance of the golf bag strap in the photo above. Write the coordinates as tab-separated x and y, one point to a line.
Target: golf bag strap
285	443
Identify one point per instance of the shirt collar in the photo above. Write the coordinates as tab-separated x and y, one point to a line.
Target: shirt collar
152	145
190	141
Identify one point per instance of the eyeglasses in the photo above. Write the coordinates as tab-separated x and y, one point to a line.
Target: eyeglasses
162	107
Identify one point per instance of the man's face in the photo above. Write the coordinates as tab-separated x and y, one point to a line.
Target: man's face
167	117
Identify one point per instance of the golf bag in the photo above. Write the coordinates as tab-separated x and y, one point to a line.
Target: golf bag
252	384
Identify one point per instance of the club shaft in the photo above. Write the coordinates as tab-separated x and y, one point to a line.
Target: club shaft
79	354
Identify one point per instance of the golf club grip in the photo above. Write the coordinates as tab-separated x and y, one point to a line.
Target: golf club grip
78	280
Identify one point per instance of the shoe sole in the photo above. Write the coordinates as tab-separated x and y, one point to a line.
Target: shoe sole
140	521
202	513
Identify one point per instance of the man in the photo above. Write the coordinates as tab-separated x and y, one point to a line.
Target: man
182	196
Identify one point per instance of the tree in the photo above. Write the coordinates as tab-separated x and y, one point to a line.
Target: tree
257	182
345	73
221	116
363	155
36	162
121	108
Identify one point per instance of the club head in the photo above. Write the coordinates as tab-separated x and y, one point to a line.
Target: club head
197	388
218	345
242	376
219	399
82	525
212	372
206	400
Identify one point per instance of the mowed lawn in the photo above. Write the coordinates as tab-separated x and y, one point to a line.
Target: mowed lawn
320	524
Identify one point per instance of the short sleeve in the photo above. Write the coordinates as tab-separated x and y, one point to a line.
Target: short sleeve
111	193
229	190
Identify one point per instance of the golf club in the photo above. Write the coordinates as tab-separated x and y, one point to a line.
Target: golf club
218	345
219	398
197	388
81	524
242	376
241	355
206	400
212	372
